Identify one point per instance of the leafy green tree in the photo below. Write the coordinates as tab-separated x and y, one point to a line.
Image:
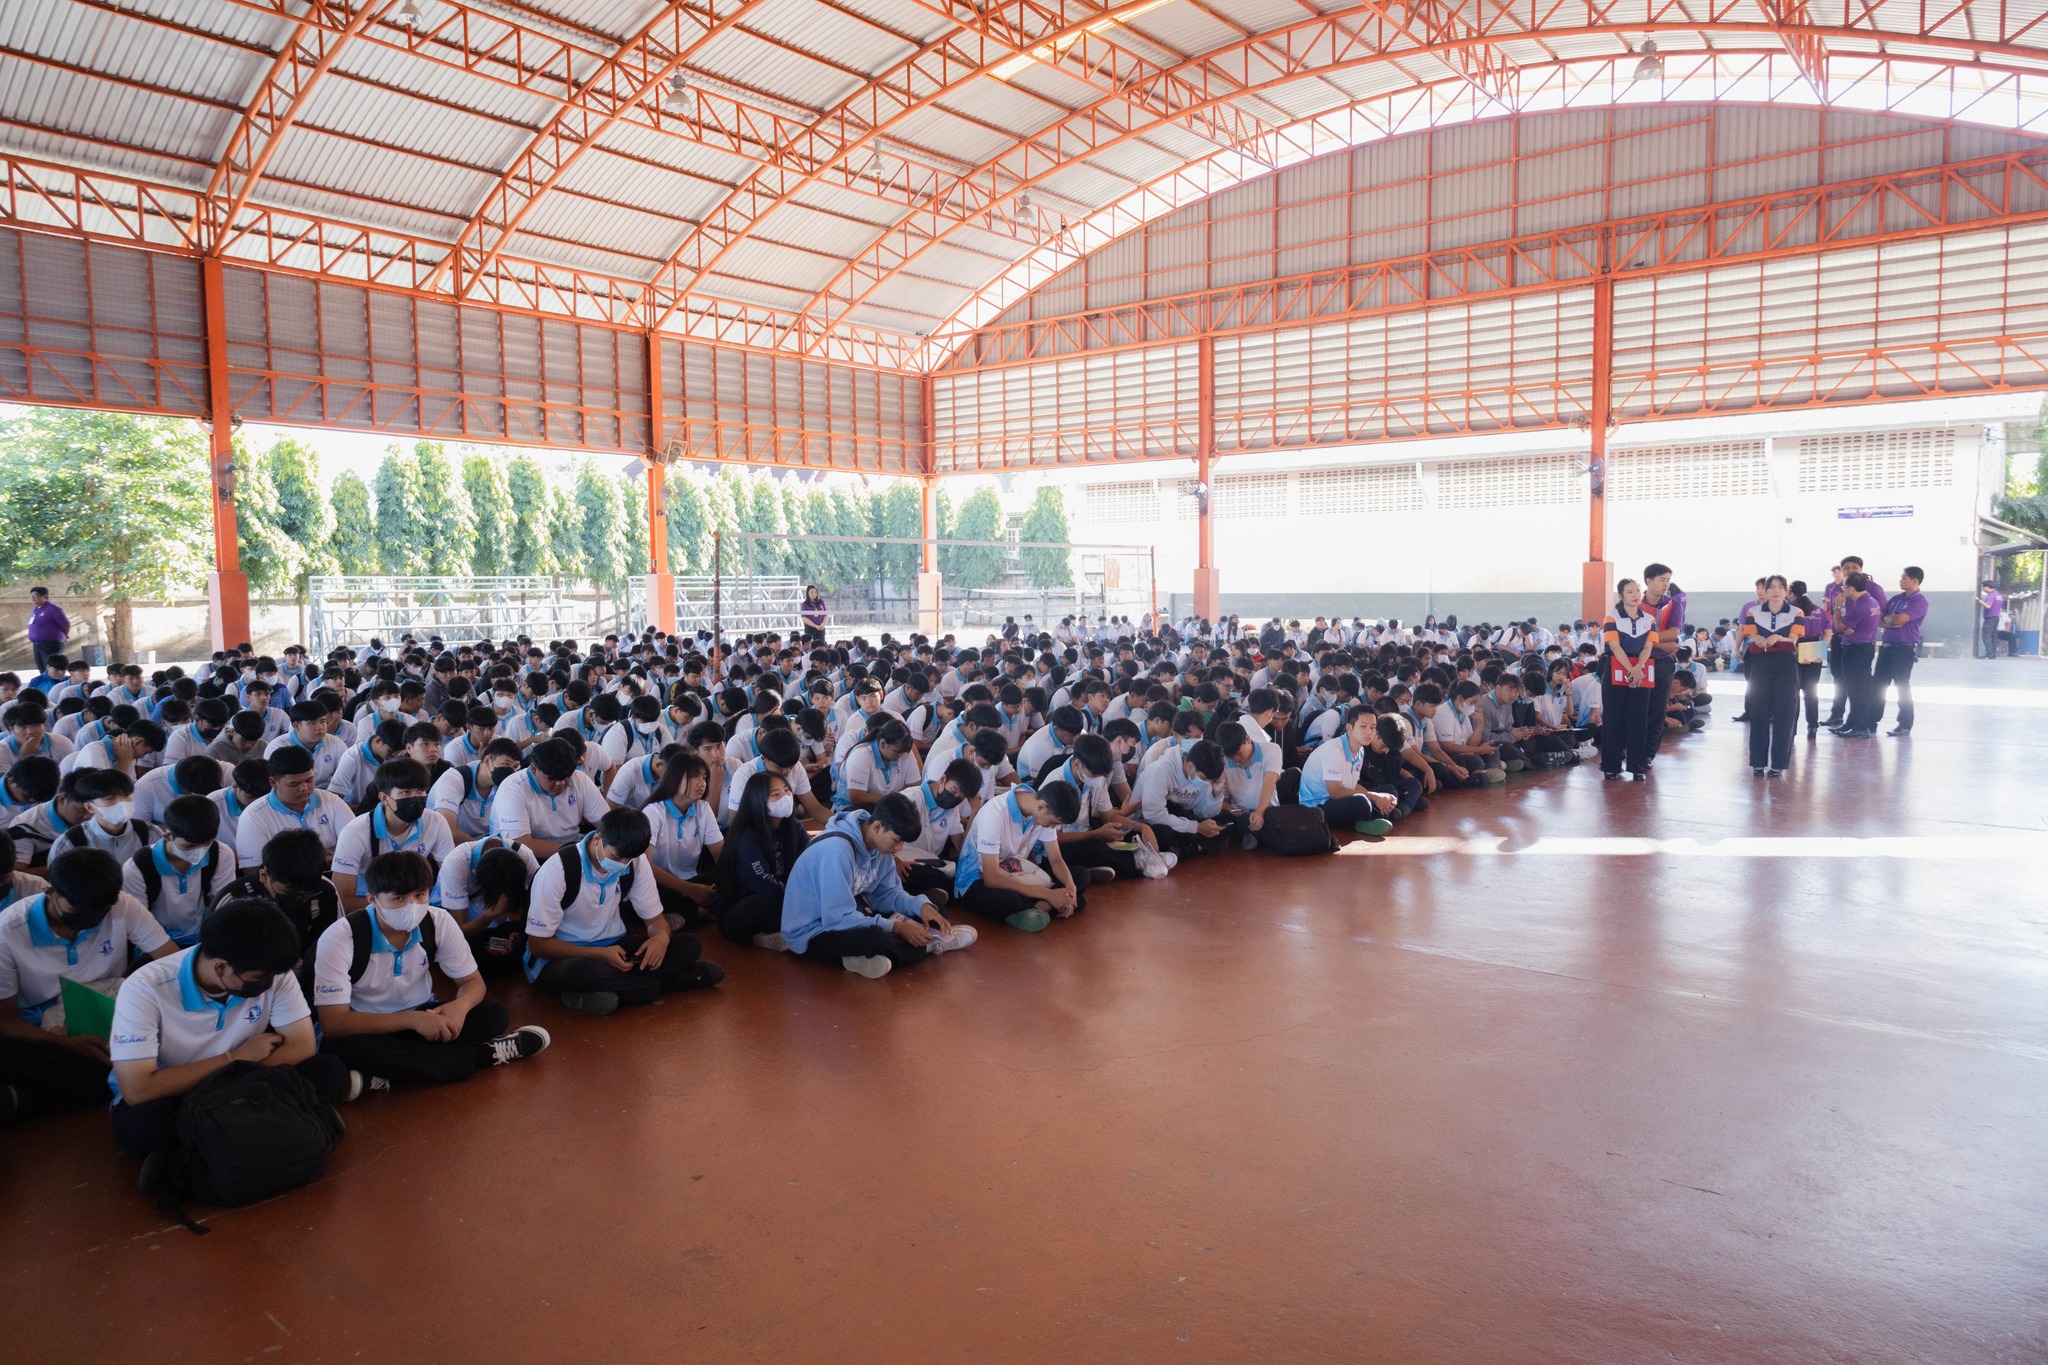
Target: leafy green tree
1047	521
689	527
813	511
490	506
721	515
403	529
530	548
444	502
852	561
898	514
107	501
600	527
270	557
761	514
975	566
304	513
565	533
352	545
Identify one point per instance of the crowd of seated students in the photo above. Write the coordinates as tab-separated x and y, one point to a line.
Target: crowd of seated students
272	859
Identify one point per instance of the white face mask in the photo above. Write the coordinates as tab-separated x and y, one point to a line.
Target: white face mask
185	852
114	814
647	727
500	703
387	705
782	807
405	918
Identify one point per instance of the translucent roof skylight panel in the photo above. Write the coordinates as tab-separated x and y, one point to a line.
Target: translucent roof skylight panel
795	268
757	64
823	31
376	64
117	115
952	139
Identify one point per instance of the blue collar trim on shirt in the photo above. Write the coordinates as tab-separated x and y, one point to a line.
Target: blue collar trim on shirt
590	873
300	816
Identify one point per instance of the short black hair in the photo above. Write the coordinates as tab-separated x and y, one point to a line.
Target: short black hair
196	775
34	777
1207	756
251	934
288	761
251	775
398	874
1062	800
966	775
625	831
397	774
781	748
896	814
553	759
87	878
192	819
295	858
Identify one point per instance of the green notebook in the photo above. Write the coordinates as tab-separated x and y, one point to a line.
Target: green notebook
87	1013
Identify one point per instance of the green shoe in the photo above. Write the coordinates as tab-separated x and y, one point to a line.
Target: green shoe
1030	921
1373	827
591	1002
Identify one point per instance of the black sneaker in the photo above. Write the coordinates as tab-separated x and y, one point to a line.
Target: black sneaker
599	1003
155	1167
1895	733
703	974
518	1045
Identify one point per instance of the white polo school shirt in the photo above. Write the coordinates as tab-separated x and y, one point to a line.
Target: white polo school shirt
325	815
368	835
162	1014
34	957
401	983
521	808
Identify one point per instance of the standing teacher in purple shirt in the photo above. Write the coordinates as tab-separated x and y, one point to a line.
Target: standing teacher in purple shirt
1897	648
1859	615
48	627
1993	602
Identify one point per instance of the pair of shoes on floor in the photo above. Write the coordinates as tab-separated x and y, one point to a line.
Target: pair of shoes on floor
1612	777
1774	772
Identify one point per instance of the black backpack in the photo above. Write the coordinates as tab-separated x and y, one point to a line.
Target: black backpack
1295	831
359	930
246	1133
153	880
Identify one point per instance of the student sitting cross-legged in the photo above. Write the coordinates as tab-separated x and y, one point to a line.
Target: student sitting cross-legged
79	928
1330	779
398	822
846	901
381	1017
177	876
759	851
576	941
180	1019
1011	868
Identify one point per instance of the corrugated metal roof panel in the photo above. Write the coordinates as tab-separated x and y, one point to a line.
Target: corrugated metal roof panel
1003	105
913	20
1085	185
1183	28
433	226
605	227
679	153
949	136
836	199
377	173
403	124
842	39
1136	161
66	102
1257	16
600	174
958	266
154	55
815	231
55	146
235	23
369	63
619	18
902	321
772	263
755	64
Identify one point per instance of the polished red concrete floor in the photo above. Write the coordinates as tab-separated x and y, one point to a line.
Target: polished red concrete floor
1608	1102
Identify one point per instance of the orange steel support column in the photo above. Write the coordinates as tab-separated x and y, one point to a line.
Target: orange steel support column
661	584
227	587
1207	592
931	592
1596	583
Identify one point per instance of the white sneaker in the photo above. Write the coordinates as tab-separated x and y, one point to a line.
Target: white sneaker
774	943
355	1087
874	966
963	936
1170	858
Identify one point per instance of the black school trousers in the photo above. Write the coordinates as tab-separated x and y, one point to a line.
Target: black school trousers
1854	679
582	975
999	902
866	941
1626	725
1665	667
1773	708
152	1126
1809	688
411	1057
748	916
48	1076
1894	668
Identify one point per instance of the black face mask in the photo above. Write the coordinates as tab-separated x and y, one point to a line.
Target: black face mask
249	990
945	800
78	922
410	808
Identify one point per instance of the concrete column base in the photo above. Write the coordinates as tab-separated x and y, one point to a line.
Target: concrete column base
227	597
661	601
1208	593
1596	589
930	601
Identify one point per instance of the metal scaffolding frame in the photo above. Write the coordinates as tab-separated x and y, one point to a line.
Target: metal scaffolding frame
350	610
